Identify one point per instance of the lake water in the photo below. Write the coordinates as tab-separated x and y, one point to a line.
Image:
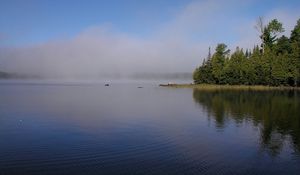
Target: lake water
87	128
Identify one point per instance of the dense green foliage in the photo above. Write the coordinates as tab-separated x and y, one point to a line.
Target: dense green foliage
276	62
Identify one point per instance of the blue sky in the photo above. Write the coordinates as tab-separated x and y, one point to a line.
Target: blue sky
32	21
92	37
29	21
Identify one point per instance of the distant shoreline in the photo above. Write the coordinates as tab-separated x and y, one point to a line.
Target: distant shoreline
230	87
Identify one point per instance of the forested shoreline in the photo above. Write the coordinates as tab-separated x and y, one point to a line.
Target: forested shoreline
276	62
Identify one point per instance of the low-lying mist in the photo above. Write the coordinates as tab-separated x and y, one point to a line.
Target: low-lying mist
98	53
176	47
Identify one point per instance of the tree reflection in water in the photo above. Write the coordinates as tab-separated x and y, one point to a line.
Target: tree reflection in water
275	113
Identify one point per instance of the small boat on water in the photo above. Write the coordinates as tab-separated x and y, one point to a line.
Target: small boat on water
106	85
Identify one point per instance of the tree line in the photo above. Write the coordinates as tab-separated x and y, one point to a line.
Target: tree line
276	62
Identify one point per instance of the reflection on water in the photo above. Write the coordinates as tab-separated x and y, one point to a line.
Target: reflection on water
275	113
88	128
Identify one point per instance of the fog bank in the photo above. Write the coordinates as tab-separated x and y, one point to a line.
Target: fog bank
177	46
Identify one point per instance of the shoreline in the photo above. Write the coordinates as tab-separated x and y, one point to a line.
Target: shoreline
230	87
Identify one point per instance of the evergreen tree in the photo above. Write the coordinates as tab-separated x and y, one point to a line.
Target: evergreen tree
283	45
218	62
269	33
256	66
278	63
295	55
203	74
280	70
235	72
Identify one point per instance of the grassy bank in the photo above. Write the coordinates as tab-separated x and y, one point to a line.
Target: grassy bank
230	87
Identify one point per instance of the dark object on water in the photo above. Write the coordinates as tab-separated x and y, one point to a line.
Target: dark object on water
140	87
169	84
106	84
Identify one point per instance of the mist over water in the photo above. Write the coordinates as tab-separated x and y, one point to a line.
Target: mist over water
98	53
80	94
178	45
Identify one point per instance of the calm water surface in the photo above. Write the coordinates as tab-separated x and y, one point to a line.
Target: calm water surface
87	128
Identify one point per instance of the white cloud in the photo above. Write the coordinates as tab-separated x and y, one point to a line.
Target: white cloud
178	46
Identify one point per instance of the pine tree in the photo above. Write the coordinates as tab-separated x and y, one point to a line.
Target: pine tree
295	56
277	63
218	62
